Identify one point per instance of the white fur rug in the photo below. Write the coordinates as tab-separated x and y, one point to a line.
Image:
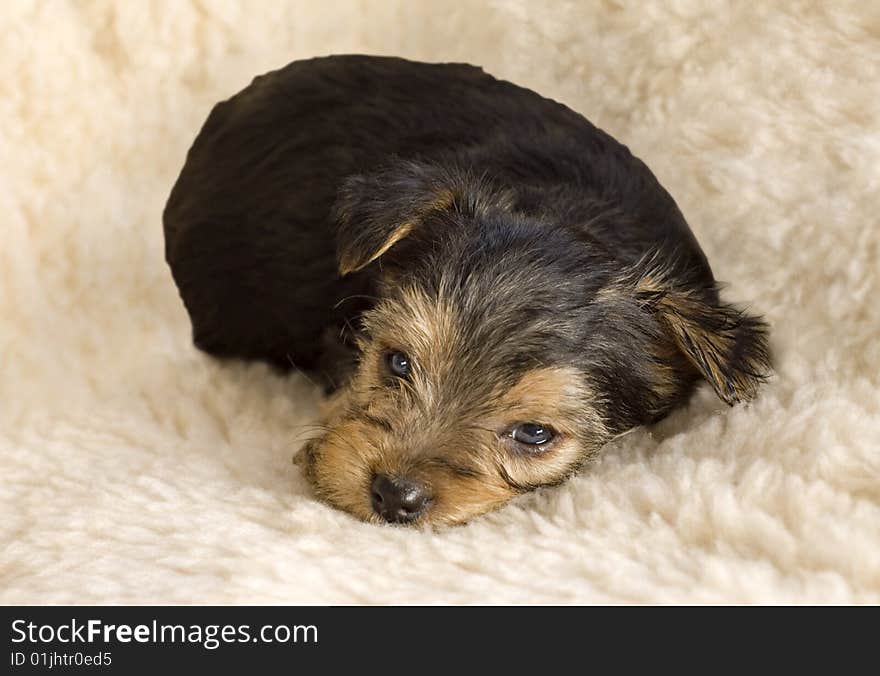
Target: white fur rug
135	469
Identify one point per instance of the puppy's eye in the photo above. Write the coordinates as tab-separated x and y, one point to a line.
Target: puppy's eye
399	364
533	434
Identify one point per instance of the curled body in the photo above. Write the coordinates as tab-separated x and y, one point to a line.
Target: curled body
490	286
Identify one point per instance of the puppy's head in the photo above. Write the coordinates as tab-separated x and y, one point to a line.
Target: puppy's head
502	352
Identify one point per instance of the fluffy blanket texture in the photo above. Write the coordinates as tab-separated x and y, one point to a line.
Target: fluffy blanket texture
135	469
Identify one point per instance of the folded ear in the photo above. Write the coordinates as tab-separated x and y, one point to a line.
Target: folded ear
725	344
374	212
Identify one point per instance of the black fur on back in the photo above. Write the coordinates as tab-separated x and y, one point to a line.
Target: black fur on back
317	162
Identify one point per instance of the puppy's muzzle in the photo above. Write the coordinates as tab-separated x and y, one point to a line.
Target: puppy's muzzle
398	500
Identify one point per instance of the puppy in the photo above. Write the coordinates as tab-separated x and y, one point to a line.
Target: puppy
491	287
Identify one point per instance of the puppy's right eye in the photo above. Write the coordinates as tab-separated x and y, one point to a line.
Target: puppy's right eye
399	364
532	434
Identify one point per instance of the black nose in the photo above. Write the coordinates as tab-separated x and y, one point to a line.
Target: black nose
398	500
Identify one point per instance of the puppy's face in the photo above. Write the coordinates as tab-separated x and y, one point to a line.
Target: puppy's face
439	424
500	356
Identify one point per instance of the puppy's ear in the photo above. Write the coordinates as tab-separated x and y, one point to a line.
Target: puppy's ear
374	212
725	344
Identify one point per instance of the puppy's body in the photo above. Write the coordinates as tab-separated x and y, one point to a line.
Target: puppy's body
252	210
499	241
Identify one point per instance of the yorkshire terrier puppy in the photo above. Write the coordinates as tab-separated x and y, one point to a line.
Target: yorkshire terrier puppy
491	287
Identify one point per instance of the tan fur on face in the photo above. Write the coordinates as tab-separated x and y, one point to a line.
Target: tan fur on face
553	396
418	429
339	466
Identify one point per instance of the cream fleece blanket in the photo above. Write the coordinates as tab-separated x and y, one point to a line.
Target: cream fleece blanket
134	469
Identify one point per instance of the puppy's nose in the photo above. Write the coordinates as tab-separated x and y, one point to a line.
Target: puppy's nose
398	500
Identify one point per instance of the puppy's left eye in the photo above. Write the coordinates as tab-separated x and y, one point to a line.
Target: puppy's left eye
533	434
399	364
